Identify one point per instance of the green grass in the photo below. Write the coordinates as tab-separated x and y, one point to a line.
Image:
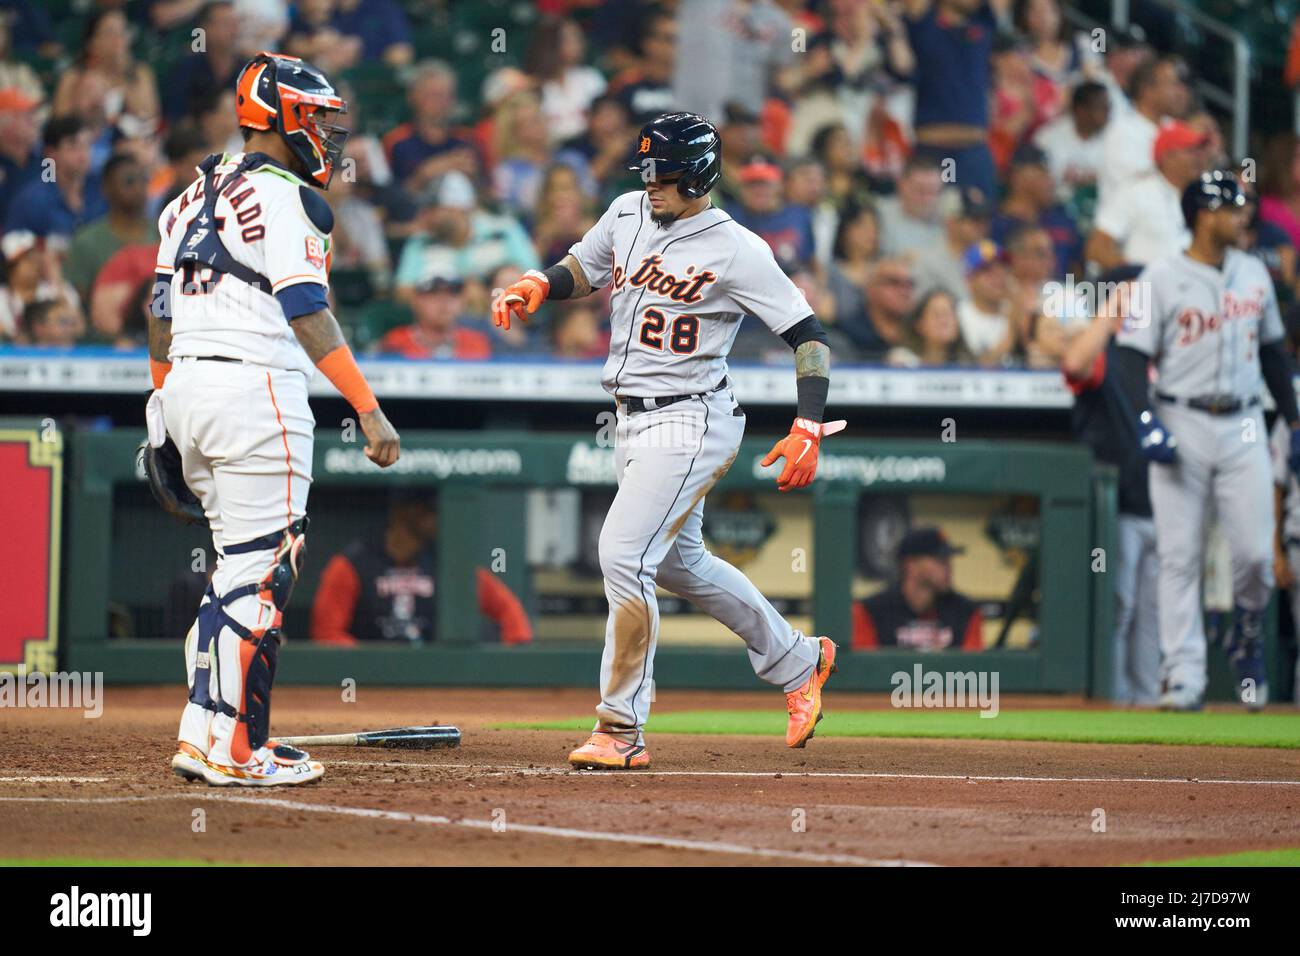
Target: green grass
1286	857
1073	726
92	861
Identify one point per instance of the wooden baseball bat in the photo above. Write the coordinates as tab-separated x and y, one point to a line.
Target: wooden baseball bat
404	738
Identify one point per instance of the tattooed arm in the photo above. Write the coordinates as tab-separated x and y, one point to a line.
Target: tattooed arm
812	367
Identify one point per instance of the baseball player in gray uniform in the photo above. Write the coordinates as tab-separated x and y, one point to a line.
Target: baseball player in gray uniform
682	275
1286	559
1211	327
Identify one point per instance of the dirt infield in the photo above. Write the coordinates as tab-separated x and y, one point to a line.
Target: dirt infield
72	787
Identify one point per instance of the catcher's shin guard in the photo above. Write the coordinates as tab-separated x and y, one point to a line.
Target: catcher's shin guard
250	653
200	661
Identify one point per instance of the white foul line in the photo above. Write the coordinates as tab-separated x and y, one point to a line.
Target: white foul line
490	770
639	839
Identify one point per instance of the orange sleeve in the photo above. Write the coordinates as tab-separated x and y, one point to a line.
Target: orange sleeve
158	371
498	603
973	640
1291	74
340	367
336	603
864	628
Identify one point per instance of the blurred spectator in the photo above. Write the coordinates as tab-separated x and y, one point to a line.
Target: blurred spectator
14	73
20	160
184	148
986	314
944	266
1207	124
786	228
262	25
358	236
605	147
315	36
1031	200
933	335
461	240
30	276
1023	101
1269	243
952	40
1056	53
576	332
741	137
56	207
890	298
845	180
124	187
885	145
520	151
735	51
381	27
805	188
646	89
1143	220
563	214
1126	50
857	243
31	28
1040	297
913	217
219	123
131	92
1159	91
212	68
53	323
126	281
384	587
1072	142
556	59
1279	202
437	331
426	147
920	611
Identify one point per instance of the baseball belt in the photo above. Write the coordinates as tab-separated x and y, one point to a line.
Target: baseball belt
1211	404
633	405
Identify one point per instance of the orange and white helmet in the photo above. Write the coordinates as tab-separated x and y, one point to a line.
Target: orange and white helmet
291	97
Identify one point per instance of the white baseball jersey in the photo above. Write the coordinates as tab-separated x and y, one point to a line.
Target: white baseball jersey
679	294
1279	449
263	226
1203	326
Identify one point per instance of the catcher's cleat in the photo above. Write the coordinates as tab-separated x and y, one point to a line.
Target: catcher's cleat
188	762
603	752
262	771
804	704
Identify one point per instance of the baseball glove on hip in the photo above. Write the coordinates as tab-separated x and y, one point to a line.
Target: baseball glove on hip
162	468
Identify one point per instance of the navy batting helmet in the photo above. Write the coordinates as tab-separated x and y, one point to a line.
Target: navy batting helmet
1212	190
679	143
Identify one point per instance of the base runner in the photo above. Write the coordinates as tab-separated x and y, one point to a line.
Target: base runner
1212	329
683	274
239	322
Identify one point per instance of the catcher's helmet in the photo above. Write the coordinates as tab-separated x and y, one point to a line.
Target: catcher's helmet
684	143
1212	190
284	94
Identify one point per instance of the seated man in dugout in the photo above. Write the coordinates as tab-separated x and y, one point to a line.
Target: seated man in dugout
920	611
383	587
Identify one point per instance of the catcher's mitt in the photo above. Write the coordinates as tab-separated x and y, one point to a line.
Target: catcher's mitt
162	468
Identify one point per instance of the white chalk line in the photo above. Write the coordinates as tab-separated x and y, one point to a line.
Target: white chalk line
506	771
568	833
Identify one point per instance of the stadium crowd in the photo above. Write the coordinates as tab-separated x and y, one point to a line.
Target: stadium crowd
928	171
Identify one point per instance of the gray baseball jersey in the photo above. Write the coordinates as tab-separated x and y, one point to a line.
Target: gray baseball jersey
678	295
1203	326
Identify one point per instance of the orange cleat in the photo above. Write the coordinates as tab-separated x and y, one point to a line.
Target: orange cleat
603	752
804	704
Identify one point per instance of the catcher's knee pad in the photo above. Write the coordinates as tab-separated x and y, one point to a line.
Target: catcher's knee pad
289	549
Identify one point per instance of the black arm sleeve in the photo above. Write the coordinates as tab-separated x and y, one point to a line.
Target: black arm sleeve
561	280
812	391
1130	370
1279	376
808	330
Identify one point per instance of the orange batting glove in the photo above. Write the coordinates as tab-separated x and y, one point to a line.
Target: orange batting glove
528	293
799	449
